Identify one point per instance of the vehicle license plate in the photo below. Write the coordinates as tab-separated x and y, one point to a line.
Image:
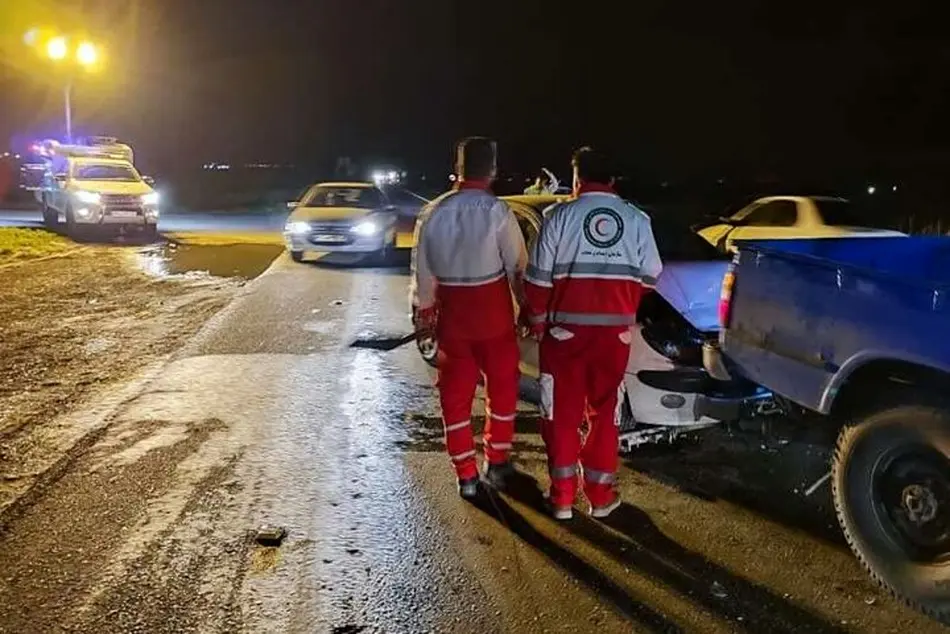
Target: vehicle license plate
124	214
328	237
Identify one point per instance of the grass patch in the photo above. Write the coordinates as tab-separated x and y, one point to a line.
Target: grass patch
27	244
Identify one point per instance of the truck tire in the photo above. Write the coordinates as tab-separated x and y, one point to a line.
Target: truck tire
50	216
149	234
71	228
891	488
296	256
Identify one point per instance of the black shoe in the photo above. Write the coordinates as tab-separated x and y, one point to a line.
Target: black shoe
468	488
497	475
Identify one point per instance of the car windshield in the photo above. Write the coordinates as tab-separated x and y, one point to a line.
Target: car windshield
105	172
841	213
361	197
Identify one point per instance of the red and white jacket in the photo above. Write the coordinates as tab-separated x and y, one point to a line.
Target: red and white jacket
592	259
469	253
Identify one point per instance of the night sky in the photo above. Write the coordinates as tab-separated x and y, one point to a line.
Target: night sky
670	87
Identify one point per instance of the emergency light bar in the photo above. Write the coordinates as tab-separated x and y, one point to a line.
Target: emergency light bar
98	147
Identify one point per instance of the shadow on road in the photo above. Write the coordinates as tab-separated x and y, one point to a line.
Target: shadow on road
631	538
596	581
396	264
766	475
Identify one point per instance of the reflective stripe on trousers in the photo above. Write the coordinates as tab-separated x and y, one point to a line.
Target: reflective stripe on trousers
593	319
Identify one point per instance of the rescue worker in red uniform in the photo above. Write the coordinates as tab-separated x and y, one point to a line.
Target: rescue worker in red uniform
593	258
469	257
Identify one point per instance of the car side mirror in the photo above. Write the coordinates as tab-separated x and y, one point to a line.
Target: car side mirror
60	178
293	204
148	180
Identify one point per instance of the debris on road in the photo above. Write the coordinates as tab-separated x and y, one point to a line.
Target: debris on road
270	536
384	343
718	590
817	484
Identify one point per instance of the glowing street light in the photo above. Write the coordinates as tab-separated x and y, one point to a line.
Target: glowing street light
86	54
57	48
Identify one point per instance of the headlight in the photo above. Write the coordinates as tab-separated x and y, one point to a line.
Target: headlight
150	198
366	228
297	227
90	198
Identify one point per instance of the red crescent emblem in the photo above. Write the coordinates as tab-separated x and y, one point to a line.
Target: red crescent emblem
598	224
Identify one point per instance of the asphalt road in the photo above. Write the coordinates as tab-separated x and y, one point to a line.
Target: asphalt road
268	417
225	222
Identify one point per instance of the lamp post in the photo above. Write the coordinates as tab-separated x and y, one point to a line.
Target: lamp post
84	56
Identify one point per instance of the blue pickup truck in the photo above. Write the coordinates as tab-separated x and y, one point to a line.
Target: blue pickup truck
859	330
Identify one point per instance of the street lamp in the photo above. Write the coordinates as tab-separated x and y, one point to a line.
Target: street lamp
57	48
85	55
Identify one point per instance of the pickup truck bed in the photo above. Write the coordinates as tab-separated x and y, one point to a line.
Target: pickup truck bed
806	314
859	329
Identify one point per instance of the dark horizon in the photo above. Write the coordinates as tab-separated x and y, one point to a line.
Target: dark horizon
672	92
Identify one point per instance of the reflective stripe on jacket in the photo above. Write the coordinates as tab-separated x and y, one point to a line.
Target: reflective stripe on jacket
591	261
469	252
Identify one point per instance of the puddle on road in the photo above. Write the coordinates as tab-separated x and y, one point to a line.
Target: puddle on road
239	260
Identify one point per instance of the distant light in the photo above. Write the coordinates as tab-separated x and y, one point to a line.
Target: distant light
452	177
17	156
224	166
86	54
379	178
56	48
31	36
871	189
894	188
6	154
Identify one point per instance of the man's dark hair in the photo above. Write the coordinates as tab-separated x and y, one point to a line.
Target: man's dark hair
593	166
475	158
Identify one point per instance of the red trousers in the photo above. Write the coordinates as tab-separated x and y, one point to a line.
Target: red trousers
582	372
462	363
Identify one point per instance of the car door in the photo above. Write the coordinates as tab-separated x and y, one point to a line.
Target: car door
775	219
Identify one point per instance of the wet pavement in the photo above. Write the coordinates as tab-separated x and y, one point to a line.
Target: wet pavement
245	261
269	418
176	221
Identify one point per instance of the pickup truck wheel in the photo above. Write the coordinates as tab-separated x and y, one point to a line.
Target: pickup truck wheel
891	489
296	256
50	217
150	234
71	229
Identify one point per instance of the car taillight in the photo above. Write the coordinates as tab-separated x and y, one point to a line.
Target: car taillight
725	297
